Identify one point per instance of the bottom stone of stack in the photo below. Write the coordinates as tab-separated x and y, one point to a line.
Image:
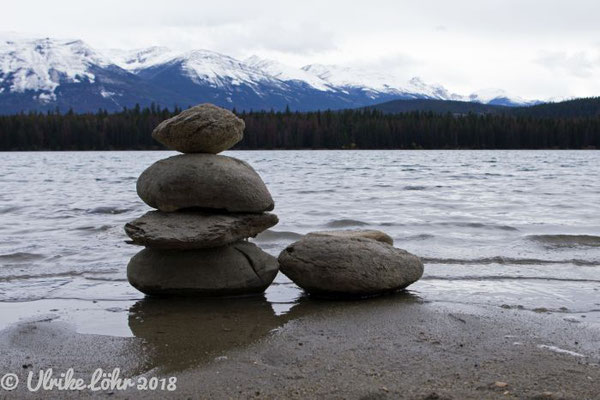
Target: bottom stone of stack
238	269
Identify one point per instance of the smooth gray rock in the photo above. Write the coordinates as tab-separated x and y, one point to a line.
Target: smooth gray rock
361	233
204	181
205	128
195	230
238	269
340	266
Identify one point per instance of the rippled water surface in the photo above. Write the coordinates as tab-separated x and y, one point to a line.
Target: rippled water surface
513	229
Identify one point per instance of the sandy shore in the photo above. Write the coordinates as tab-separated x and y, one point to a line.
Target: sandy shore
384	348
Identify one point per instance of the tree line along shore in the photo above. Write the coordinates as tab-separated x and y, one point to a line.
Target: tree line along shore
347	129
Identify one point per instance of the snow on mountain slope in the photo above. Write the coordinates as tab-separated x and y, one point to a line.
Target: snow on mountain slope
42	64
221	70
348	77
135	60
485	95
287	73
44	73
498	97
201	66
434	91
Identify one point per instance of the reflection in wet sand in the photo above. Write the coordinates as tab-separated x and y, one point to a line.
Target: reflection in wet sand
185	332
182	333
310	305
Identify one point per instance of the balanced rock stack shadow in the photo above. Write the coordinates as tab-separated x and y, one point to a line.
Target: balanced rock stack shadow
207	206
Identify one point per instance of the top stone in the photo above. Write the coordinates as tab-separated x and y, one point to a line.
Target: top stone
205	128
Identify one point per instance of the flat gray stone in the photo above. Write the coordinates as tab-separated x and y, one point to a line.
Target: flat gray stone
361	233
195	230
238	269
205	181
342	266
205	128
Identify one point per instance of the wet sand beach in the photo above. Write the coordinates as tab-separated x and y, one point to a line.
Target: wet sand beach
397	346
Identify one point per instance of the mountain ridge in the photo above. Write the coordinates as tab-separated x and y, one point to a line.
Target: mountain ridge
587	107
45	74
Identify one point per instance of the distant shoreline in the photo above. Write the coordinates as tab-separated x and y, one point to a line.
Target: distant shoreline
335	130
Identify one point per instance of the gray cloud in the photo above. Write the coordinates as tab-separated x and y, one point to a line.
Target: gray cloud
395	62
490	43
579	64
303	38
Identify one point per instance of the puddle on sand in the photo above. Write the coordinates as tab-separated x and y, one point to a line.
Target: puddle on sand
179	333
185	332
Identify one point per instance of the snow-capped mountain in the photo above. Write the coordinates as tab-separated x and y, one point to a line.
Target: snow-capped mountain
376	82
142	58
41	65
206	76
218	70
499	97
287	73
40	74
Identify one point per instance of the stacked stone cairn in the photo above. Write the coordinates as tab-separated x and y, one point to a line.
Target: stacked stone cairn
207	205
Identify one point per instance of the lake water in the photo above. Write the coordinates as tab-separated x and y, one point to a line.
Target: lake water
512	229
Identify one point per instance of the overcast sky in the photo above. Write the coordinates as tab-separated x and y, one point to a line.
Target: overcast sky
533	49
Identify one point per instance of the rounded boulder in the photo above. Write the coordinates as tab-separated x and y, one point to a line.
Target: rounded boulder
205	181
334	266
205	128
238	269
